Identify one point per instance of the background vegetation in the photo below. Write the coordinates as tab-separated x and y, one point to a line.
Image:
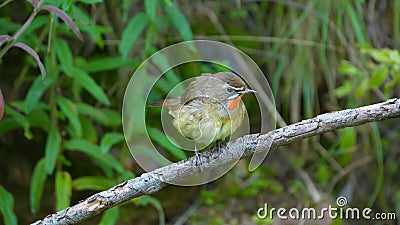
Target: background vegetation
62	140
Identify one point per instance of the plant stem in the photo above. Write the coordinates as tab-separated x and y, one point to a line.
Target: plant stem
19	32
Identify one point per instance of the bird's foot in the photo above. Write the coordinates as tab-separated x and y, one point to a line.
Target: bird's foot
197	160
220	146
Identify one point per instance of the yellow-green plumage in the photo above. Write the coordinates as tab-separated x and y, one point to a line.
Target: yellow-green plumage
206	120
202	113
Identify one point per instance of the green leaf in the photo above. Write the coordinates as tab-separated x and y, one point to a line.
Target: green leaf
6	207
82	16
361	89
52	149
94	152
388	87
63	190
179	21
380	171
151	7
162	140
90	1
380	55
356	22
88	83
8	124
1	105
69	109
104	64
37	185
97	33
395	56
36	24
96	183
64	54
365	48
162	62
147	199
36	91
127	175
348	139
345	89
22	120
88	130
149	152
110	217
349	69
379	75
39	118
106	117
110	139
64	161
66	5
132	32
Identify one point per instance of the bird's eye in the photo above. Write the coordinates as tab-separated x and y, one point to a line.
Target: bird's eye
230	90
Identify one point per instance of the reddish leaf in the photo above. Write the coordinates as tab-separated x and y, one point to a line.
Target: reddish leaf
65	18
4	38
1	105
34	55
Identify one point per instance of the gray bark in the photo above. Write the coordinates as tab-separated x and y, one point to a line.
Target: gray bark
154	181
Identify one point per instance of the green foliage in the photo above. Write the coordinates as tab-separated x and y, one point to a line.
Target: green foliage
149	200
160	138
97	183
234	188
37	185
110	139
105	160
376	77
63	189
110	217
381	70
142	21
53	145
70	111
6	207
75	107
318	55
179	21
132	32
36	91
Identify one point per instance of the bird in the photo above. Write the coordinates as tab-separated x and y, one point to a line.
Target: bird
210	109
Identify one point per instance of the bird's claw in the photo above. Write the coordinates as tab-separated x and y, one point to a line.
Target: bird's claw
219	146
197	158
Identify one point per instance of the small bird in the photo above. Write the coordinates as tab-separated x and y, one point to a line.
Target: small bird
211	108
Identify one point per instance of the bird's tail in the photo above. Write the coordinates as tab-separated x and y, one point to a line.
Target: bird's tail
170	102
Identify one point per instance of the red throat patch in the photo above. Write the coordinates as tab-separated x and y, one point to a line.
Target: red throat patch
234	103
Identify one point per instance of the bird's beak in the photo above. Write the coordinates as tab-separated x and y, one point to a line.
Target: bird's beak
245	91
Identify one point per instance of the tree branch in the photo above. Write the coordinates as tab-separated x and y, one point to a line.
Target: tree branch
154	181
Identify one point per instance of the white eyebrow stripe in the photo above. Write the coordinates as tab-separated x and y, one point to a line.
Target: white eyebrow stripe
234	88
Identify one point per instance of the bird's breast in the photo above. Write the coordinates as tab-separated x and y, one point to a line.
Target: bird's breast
204	120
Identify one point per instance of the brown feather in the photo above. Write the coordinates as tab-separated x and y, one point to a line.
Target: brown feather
229	78
166	102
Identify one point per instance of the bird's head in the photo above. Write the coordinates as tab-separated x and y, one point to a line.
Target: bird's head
226	87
